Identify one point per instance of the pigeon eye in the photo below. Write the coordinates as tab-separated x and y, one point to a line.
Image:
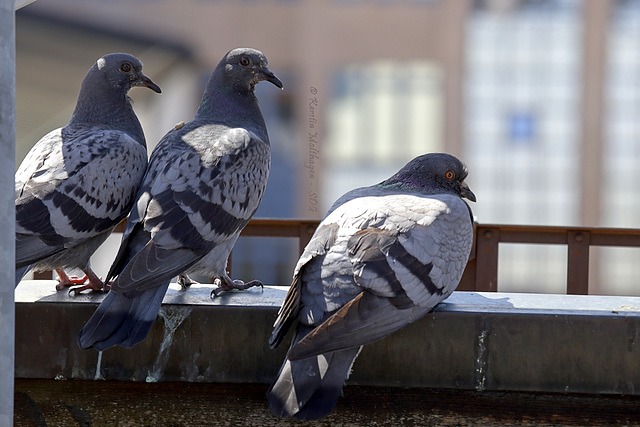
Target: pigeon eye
244	61
126	67
449	175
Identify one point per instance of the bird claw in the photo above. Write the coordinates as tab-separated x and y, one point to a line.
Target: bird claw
66	281
185	281
234	284
77	291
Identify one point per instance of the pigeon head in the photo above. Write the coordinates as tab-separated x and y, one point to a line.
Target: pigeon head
103	95
120	72
229	96
243	68
433	173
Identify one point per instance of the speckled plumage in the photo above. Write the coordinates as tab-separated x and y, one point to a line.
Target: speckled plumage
204	182
78	182
382	258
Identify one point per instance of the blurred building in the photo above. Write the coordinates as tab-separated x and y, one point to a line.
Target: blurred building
523	127
538	97
551	134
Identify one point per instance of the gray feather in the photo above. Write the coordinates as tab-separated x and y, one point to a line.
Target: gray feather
122	319
308	389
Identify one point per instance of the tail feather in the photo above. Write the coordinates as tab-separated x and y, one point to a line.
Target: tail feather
20	272
308	389
122	319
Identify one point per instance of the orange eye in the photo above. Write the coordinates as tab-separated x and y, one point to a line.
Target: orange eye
449	175
244	61
126	67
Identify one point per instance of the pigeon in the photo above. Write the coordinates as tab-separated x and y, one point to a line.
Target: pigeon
79	181
204	182
382	258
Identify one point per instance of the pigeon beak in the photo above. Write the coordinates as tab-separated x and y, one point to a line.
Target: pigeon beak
266	74
466	192
145	81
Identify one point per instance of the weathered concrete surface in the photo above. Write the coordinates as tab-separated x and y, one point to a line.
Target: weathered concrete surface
474	341
106	403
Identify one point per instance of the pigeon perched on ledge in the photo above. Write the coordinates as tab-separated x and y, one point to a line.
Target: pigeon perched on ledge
78	182
204	182
382	258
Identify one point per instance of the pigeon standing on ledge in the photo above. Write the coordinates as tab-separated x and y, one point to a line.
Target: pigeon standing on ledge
78	182
382	258
205	181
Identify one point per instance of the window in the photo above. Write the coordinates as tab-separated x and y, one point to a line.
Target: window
382	115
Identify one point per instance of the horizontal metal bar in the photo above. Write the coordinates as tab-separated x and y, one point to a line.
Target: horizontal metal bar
609	239
279	228
558	235
533	237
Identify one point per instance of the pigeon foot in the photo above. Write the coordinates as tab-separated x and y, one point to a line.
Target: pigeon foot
185	281
65	280
95	284
224	285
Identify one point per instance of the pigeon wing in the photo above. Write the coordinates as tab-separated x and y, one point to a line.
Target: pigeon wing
192	199
323	238
404	275
73	185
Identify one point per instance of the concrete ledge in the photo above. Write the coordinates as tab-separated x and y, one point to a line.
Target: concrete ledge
473	341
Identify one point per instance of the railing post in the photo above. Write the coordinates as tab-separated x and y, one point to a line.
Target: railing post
305	232
578	262
487	259
7	208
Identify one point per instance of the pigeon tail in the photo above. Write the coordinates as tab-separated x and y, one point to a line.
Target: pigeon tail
308	389
20	272
122	320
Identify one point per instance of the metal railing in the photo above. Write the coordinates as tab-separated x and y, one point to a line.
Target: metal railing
481	273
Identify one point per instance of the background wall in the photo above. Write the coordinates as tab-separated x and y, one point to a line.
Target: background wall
539	97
